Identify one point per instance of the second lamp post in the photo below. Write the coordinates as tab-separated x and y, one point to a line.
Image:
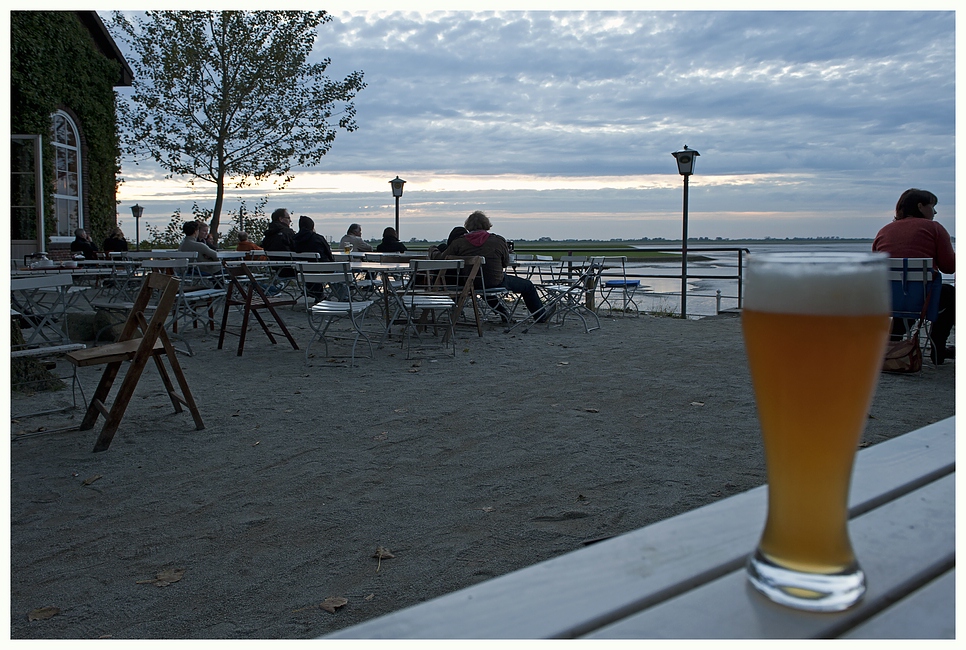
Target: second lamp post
397	189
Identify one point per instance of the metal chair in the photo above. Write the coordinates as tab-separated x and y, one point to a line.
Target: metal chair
625	288
333	280
915	297
421	307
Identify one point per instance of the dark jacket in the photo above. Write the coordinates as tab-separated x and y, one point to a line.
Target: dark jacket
115	244
493	247
309	241
279	237
85	247
391	245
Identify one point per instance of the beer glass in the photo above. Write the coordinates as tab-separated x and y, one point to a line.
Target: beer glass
815	328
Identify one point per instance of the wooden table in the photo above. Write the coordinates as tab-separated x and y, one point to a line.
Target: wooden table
684	577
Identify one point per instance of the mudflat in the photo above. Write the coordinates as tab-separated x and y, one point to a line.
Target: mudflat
308	477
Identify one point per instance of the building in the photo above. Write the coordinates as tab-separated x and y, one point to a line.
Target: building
65	153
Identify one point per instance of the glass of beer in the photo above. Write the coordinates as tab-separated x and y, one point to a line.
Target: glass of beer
347	247
815	328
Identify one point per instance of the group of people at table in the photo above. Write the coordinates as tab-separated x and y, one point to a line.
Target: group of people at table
472	239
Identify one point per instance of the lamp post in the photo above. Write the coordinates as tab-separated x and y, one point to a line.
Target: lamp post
137	211
397	189
685	159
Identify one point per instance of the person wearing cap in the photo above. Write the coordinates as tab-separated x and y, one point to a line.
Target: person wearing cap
353	236
306	240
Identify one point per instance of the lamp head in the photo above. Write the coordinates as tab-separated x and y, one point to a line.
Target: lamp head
685	159
137	211
397	186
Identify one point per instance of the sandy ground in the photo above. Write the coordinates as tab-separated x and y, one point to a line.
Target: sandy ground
521	448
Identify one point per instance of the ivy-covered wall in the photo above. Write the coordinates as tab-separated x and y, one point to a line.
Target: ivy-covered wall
55	65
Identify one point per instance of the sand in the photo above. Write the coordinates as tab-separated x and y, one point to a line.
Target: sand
522	448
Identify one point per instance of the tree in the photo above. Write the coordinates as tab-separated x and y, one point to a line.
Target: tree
229	97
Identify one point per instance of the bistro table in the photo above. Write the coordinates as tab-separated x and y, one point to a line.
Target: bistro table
684	577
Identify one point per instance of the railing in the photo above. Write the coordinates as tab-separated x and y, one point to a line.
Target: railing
640	255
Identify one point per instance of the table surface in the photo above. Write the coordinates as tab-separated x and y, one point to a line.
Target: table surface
684	577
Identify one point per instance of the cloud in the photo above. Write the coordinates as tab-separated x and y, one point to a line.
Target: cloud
850	108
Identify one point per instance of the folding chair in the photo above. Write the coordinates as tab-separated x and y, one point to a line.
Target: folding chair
494	302
624	287
463	290
138	341
195	303
422	308
333	279
569	298
914	281
252	300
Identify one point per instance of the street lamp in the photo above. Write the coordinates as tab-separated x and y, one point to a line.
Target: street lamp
685	159
397	187
137	211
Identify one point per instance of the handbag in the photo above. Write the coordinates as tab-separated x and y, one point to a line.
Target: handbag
905	356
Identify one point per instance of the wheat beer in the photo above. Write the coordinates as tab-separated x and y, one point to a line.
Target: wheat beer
815	330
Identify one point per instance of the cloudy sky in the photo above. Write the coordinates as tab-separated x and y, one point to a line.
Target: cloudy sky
562	123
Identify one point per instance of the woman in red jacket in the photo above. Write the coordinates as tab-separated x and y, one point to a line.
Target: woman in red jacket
915	233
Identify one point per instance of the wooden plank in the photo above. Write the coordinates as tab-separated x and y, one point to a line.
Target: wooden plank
928	613
47	350
588	588
900	546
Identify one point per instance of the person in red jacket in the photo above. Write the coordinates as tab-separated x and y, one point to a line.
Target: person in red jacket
915	233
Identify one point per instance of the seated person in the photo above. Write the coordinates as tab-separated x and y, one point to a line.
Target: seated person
438	252
390	242
82	244
353	237
309	241
190	243
279	235
479	241
205	236
247	245
914	233
115	243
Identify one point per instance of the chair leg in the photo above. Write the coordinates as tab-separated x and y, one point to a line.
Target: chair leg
166	380
100	394
117	410
186	395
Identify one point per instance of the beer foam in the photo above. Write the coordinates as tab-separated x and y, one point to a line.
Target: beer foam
843	284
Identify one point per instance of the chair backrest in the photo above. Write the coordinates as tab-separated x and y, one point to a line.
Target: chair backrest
162	255
279	255
425	271
168	286
308	257
316	275
913	279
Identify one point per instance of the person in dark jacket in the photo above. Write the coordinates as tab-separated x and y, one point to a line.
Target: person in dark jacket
480	241
308	241
390	242
82	244
279	236
115	242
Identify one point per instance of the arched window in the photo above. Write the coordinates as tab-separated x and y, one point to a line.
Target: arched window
68	206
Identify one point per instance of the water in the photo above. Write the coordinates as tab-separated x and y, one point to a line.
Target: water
663	294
